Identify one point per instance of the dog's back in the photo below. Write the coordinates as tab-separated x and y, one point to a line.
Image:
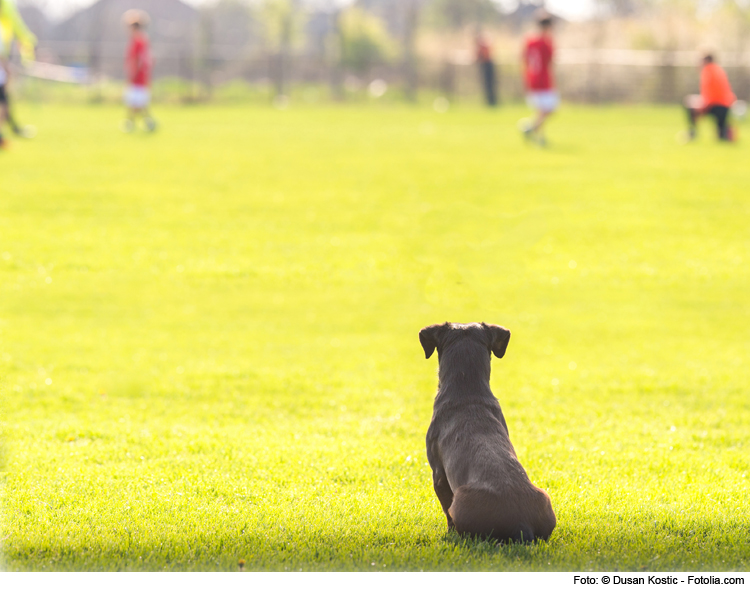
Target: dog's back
469	447
492	494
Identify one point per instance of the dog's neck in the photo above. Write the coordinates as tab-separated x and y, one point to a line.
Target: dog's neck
465	369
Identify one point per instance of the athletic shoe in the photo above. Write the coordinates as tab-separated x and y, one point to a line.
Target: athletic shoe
150	124
26	132
526	127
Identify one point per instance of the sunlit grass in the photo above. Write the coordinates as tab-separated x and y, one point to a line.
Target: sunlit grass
209	353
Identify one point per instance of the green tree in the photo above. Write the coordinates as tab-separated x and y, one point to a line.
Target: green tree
456	14
364	40
283	22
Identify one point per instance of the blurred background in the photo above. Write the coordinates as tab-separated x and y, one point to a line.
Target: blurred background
380	50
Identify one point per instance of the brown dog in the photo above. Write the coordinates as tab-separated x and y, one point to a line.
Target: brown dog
478	479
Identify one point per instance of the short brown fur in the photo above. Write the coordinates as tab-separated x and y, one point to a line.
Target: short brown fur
477	477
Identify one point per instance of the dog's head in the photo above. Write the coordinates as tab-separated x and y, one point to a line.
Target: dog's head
496	338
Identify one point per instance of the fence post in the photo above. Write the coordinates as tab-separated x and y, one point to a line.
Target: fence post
667	91
448	79
411	77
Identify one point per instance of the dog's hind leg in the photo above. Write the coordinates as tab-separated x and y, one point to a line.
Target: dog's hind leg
444	493
483	513
439	479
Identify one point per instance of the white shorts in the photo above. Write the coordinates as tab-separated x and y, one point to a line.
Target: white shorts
137	96
545	101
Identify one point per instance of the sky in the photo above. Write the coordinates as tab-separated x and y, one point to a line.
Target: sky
570	9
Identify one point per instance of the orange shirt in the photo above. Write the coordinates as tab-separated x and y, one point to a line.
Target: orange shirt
715	88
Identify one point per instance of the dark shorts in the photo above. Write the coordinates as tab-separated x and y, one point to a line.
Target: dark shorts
3	95
718	112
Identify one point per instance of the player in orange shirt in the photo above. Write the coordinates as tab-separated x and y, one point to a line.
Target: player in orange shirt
716	98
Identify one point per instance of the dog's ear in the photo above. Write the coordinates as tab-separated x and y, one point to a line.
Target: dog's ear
429	337
499	338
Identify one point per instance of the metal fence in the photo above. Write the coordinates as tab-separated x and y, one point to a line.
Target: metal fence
582	75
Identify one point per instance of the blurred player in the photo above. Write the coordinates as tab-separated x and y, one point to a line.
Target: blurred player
486	67
540	86
138	69
12	28
716	99
3	96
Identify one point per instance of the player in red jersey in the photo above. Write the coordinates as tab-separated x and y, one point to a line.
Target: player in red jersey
540	86
138	69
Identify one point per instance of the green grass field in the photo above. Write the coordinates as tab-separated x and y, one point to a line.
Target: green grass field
209	351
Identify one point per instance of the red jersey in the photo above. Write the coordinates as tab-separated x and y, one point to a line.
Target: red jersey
537	58
138	61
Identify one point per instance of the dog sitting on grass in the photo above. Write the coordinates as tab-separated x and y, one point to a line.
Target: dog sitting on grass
481	485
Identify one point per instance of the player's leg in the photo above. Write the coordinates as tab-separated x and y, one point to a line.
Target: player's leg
533	127
136	100
10	120
721	114
541	119
538	127
128	124
547	103
141	101
23	131
692	115
530	125
694	108
3	101
3	113
488	80
148	120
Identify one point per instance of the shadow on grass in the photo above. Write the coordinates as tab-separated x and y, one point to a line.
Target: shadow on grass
479	548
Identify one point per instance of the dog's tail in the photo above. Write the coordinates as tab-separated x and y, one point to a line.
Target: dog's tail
518	517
